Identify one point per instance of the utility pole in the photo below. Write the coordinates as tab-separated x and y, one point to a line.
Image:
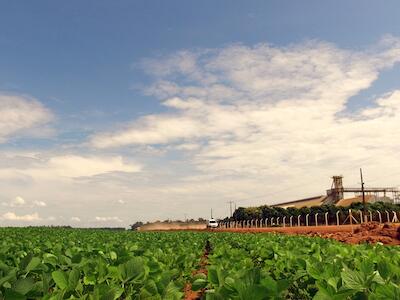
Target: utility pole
230	207
363	196
211	213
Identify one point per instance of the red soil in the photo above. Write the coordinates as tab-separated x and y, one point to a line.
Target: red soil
195	295
388	234
373	232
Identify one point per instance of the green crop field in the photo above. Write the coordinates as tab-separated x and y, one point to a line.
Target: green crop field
47	263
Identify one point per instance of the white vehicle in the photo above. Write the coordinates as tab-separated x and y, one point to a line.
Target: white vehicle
212	223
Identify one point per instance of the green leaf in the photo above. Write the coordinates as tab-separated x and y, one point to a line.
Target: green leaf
113	255
199	276
33	264
60	279
111	293
132	269
353	280
199	284
73	279
23	285
172	292
89	280
10	276
384	269
253	292
12	295
213	276
384	292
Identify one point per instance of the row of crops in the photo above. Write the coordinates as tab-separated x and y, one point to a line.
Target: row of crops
45	263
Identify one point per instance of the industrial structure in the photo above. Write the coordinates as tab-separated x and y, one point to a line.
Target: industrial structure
336	195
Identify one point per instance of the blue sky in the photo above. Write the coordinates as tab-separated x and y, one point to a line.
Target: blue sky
89	66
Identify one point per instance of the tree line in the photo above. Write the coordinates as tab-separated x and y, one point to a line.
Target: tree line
266	211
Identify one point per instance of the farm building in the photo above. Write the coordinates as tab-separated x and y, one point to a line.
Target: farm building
336	195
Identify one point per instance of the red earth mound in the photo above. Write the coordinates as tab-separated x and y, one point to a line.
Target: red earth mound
373	232
388	234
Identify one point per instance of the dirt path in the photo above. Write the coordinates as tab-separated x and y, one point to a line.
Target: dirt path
195	295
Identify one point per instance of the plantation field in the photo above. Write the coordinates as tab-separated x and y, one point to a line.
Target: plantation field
50	263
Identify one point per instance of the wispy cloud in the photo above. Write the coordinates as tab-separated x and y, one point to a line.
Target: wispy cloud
22	115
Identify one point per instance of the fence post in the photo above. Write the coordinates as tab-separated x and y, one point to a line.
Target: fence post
370	216
266	222
277	221
307	219
361	216
380	216
337	218
298	220
316	219
272	221
291	221
395	219
284	221
326	219
388	216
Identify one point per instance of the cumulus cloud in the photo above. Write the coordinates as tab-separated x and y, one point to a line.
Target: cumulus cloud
21	202
17	201
11	216
246	114
254	90
39	203
108	219
75	219
22	115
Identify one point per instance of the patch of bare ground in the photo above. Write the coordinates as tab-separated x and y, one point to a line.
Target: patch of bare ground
202	268
372	232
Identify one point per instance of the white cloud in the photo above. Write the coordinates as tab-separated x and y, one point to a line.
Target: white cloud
11	216
39	203
266	123
262	90
75	219
18	201
21	202
245	116
60	167
22	115
108	219
120	201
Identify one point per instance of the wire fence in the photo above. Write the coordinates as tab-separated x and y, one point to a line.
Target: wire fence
323	219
